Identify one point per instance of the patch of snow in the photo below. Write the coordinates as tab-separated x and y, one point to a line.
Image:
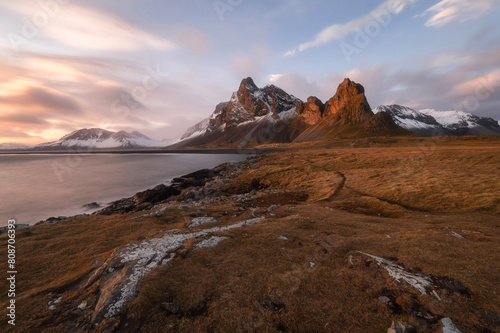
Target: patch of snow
158	212
449	118
196	130
455	234
289	114
146	255
384	299
399	273
82	305
197	221
449	326
211	242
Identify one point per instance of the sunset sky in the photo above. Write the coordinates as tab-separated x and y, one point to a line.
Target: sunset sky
158	67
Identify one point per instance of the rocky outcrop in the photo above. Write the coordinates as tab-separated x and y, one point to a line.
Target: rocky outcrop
349	104
148	198
348	115
311	111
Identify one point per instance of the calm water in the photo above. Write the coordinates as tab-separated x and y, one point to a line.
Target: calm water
36	187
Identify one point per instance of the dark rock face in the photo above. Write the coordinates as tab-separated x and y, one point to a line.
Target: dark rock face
250	102
92	205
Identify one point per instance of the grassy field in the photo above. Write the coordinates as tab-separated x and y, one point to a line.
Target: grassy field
406	200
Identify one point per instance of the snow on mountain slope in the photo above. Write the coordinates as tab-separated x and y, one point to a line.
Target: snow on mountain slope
250	110
435	122
99	138
452	118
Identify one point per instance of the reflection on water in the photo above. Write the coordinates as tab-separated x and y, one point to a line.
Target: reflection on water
35	187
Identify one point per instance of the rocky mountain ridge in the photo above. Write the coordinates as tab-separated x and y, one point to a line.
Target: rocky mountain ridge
270	115
100	138
430	122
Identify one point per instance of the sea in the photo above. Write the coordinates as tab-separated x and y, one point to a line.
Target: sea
36	187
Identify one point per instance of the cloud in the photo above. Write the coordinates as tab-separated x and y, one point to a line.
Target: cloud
17	119
471	85
42	99
448	11
89	29
244	65
275	77
192	39
339	31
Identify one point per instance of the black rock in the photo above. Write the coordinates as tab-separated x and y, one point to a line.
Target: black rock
92	205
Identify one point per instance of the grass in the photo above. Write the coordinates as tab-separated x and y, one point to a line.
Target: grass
333	201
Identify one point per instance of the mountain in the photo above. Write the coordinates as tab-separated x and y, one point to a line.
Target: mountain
270	115
347	114
100	138
432	122
253	115
13	146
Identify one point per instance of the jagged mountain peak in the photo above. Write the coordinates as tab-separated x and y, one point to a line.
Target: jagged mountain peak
251	102
248	84
349	104
269	114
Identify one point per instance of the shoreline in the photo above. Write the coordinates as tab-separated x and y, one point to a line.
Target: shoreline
247	151
325	220
88	209
150	197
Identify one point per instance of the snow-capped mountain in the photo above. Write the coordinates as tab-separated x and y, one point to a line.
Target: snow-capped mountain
270	115
13	146
434	122
100	138
245	116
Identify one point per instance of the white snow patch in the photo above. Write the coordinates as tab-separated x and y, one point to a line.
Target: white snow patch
289	115
146	255
449	118
211	242
449	326
197	221
399	273
456	234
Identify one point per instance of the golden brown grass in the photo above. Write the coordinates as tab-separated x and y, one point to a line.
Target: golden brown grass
410	189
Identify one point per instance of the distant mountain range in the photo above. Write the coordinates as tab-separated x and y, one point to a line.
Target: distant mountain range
100	138
270	115
430	122
93	138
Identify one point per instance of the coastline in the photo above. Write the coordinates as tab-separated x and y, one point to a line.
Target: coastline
277	237
247	151
152	197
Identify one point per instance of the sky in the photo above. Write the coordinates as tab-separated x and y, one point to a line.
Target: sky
159	67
